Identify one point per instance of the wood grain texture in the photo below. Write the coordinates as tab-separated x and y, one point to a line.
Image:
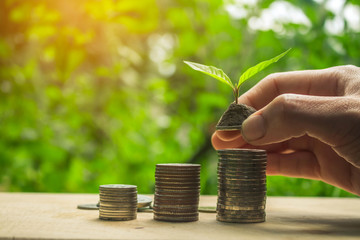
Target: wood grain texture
55	216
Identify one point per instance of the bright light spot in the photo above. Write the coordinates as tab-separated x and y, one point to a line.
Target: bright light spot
166	69
335	26
352	16
5	86
161	50
338	47
335	6
278	14
129	54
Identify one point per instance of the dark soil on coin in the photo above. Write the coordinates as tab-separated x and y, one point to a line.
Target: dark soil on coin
235	115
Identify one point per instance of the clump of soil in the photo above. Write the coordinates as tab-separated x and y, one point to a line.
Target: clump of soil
234	116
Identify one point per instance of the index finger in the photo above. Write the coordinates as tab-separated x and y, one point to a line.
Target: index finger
322	82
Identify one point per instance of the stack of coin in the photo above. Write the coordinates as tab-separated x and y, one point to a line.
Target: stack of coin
177	190
241	185
118	202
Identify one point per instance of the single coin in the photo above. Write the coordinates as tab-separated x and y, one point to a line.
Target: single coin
177	179
243	187
191	215
178	170
240	150
180	165
143	201
118	200
242	213
176	219
176	198
178	187
118	186
242	180
240	220
118	219
178	206
118	208
248	194
176	192
242	160
221	206
241	177
177	183
91	206
176	203
145	209
239	197
241	201
235	166
175	212
241	170
207	209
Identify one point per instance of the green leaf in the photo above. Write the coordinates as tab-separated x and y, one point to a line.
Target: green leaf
211	71
258	68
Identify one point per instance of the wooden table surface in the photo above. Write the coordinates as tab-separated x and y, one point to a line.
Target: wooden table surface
55	216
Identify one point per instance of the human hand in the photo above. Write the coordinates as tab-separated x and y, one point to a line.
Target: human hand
309	123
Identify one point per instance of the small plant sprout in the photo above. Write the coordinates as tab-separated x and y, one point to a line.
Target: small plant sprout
222	77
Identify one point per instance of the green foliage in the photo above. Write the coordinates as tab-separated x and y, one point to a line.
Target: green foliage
95	92
222	77
211	71
258	68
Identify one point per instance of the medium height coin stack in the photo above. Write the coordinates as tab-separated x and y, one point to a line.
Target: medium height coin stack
177	190
241	185
118	202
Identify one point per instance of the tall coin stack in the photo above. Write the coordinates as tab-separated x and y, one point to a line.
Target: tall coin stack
241	185
177	190
118	202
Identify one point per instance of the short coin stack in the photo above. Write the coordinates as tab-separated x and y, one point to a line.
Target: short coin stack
118	202
177	190
241	185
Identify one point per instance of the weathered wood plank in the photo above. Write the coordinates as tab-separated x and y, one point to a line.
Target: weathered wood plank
55	216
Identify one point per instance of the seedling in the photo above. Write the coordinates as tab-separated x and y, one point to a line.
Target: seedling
222	77
236	113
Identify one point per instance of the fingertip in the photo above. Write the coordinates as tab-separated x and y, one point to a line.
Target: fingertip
253	128
228	135
218	143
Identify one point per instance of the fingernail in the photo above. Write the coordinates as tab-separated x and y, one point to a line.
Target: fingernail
253	128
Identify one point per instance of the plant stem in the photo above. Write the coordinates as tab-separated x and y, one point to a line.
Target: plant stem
236	94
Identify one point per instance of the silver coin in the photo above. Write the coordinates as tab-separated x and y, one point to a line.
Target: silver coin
177	173
118	186
176	191
118	207
207	209
176	197
240	220
118	218
91	206
240	150
169	176
226	207
142	201
180	165
176	219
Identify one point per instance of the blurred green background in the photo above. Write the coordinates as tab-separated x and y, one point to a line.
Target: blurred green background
96	92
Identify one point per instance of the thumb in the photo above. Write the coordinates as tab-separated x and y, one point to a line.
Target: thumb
332	120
